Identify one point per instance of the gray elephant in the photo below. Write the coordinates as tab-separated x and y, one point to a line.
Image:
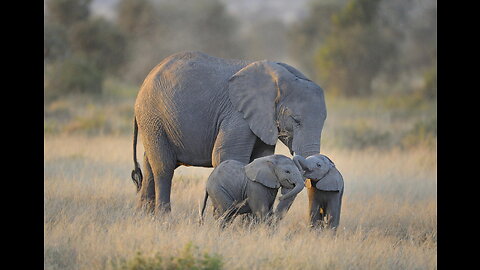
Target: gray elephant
237	188
198	110
325	189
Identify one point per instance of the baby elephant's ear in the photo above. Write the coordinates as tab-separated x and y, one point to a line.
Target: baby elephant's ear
333	181
262	171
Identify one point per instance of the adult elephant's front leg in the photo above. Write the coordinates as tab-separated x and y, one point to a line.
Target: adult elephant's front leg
261	149
234	141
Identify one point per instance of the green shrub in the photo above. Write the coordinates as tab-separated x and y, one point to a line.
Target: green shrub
92	125
360	135
422	133
74	75
429	91
100	42
189	258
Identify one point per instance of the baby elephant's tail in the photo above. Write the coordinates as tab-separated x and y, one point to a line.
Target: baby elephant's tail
200	221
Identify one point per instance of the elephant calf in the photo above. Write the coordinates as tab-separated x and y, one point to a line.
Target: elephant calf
239	188
325	189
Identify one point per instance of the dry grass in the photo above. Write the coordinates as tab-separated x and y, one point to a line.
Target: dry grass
388	221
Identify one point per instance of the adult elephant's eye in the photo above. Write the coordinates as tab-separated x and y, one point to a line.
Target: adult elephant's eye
319	165
287	171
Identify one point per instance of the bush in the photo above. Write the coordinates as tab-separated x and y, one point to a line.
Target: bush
429	91
73	75
355	52
67	12
55	42
92	125
189	258
422	133
361	135
100	42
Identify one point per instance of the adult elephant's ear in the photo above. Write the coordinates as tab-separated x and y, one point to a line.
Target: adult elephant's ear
254	91
332	181
294	71
261	171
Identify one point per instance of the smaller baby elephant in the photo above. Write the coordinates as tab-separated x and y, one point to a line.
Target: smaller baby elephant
325	189
237	188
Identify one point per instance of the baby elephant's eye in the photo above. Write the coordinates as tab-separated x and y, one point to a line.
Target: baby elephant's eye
319	165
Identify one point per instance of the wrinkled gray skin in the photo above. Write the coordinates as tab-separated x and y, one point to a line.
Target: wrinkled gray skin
198	110
237	188
325	190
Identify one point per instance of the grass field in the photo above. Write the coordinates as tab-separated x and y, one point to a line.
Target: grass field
388	219
389	211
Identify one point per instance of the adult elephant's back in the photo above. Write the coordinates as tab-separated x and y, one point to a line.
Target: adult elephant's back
181	99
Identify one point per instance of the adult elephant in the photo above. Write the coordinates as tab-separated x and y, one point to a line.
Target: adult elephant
197	110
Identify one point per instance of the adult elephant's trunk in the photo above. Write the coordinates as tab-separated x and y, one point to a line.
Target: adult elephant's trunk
306	141
299	184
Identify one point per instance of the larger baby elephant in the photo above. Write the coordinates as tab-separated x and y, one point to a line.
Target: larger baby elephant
239	188
325	189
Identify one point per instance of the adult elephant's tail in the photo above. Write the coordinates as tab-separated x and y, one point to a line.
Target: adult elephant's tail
136	173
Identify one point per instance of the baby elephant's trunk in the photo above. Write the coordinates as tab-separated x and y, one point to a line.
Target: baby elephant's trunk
295	190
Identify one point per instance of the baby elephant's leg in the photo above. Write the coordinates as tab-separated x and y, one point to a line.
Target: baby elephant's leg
333	204
335	208
225	209
314	207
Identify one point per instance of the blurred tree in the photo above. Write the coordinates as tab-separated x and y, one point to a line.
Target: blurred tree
429	90
360	47
413	26
266	39
356	12
55	42
309	33
79	50
159	29
214	30
67	12
136	18
73	75
100	42
355	51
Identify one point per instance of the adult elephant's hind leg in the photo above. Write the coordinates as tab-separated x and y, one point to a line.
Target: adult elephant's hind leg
146	196
162	162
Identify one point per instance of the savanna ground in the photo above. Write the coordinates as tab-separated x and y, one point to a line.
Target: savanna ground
384	147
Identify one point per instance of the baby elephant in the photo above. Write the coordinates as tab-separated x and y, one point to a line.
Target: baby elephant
238	188
325	189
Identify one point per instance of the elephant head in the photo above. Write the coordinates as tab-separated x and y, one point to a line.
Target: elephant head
319	167
276	171
279	102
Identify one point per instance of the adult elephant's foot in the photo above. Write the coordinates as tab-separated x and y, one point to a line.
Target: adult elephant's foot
163	209
145	207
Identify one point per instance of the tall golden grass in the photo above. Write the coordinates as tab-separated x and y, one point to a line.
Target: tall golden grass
389	213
